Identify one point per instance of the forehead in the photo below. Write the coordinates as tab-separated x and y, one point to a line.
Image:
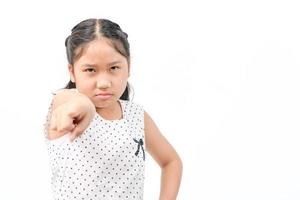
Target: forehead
100	51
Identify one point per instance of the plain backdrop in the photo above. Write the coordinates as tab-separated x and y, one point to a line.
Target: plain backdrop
219	78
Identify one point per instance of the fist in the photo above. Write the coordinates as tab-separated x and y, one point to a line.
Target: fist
71	117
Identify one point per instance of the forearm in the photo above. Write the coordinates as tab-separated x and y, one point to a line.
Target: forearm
170	180
64	96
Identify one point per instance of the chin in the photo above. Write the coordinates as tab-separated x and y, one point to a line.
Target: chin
104	103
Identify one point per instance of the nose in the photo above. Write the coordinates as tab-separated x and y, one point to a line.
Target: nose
103	82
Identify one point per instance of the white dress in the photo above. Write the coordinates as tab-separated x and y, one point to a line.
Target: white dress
106	162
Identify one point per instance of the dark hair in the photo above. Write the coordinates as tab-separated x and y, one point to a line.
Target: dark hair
89	30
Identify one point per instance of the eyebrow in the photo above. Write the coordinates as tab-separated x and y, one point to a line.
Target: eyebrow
109	64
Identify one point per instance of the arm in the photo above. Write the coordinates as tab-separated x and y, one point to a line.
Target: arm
62	97
166	157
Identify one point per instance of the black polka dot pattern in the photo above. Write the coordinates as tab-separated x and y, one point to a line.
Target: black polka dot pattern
106	162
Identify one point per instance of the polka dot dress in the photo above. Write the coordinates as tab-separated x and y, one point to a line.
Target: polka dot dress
106	162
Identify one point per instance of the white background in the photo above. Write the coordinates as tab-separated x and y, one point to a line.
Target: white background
219	78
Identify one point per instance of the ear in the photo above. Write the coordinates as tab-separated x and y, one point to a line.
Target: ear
72	73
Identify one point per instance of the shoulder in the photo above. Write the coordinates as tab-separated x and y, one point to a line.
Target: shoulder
133	105
134	112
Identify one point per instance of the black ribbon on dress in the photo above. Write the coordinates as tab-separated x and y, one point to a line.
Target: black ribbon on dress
140	144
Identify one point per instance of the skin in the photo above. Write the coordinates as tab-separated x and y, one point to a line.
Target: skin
101	69
100	76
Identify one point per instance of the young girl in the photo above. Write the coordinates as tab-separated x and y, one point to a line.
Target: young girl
96	137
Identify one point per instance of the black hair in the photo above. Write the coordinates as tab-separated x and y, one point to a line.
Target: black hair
89	30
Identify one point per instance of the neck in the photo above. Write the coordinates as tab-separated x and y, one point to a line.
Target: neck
110	113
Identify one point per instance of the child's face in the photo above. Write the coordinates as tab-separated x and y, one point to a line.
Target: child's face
100	69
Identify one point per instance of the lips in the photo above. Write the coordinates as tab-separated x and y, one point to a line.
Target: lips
103	94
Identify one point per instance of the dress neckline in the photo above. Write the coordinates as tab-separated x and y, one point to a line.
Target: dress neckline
122	104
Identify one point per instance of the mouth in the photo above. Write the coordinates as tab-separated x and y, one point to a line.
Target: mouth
103	96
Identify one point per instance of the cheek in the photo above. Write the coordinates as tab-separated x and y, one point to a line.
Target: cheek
84	83
121	78
121	83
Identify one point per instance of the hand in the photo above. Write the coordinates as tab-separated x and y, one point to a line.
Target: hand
73	116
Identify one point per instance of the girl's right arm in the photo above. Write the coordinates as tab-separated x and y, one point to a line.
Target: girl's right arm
71	112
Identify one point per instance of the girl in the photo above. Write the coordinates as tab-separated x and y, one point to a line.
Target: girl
96	137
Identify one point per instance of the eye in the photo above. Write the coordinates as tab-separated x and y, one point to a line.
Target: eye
115	68
88	69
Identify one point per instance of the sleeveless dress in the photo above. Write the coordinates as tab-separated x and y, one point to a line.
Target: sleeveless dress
106	162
